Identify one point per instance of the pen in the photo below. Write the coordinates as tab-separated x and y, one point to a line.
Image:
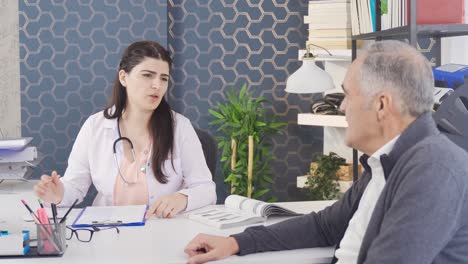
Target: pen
54	212
54	217
36	219
40	203
69	209
31	212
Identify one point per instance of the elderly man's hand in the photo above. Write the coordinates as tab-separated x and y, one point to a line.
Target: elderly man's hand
205	248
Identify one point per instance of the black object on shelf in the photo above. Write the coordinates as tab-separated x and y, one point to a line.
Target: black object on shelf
328	105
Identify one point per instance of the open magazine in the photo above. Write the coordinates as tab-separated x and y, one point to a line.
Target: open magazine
238	211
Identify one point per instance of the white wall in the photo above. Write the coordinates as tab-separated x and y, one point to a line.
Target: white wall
455	50
10	93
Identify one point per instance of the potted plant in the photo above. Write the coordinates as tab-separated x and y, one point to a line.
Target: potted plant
322	183
245	155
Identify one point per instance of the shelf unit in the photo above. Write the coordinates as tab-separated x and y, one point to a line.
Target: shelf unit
435	31
322	120
411	32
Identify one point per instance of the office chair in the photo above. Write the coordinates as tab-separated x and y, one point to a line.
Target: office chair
452	116
210	150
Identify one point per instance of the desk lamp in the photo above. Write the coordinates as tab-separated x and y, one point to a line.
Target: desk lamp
309	78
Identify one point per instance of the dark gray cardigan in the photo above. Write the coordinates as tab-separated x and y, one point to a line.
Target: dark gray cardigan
421	215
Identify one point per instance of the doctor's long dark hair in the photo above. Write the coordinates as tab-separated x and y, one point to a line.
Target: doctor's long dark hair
161	121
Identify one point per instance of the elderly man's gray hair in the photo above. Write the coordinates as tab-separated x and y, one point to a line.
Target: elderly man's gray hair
399	68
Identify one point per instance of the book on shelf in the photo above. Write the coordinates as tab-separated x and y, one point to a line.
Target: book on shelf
331	43
238	211
439	12
354	18
330	33
328	12
342	21
327	2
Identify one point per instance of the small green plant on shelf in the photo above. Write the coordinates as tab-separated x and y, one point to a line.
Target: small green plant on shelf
322	183
245	153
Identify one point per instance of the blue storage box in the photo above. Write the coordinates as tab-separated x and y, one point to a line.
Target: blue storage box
450	75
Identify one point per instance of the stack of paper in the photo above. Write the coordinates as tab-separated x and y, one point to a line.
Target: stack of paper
17	158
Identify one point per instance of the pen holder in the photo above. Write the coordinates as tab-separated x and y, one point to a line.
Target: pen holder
51	238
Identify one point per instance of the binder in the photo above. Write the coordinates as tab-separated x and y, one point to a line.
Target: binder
12	156
439	12
15	143
101	216
20	174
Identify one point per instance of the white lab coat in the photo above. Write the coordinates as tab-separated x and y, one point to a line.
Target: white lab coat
92	161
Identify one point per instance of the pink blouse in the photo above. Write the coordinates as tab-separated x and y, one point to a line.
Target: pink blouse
132	193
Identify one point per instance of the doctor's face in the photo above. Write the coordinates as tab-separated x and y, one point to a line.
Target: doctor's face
146	84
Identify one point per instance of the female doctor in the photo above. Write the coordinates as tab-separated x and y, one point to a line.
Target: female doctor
136	151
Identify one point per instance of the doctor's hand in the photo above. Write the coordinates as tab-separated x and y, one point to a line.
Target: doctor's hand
168	206
205	248
50	188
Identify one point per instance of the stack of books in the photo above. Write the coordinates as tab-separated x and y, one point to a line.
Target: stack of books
329	24
17	159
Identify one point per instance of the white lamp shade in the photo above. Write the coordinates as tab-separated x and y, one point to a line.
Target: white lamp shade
309	78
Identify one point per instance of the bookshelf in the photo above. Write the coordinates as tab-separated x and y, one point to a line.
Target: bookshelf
411	32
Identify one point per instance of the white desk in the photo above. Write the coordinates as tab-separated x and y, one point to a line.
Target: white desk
159	241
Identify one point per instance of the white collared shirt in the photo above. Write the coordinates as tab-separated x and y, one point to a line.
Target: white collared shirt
92	161
354	234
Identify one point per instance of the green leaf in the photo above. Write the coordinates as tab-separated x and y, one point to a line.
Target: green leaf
216	114
242	91
217	121
268	179
260	193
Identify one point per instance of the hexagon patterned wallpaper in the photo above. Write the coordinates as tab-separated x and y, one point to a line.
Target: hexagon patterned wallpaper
217	44
69	54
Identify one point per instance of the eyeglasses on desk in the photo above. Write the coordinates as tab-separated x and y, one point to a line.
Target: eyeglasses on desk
86	234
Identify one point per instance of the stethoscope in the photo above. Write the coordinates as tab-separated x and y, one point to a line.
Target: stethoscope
143	167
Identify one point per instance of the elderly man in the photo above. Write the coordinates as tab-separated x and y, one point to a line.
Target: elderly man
411	203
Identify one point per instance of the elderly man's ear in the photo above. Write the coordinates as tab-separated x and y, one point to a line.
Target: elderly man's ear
384	105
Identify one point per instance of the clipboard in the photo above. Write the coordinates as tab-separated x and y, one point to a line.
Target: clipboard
101	216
